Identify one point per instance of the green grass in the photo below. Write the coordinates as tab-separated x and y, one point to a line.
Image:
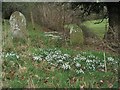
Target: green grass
98	29
45	75
25	72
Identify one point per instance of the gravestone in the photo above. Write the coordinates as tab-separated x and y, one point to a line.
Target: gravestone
18	27
76	35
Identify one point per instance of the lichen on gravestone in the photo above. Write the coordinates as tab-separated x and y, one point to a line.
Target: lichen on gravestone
76	35
18	27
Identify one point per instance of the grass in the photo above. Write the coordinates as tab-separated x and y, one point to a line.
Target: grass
19	71
98	29
38	67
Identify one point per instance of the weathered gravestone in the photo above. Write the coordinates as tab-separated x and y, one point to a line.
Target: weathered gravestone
18	27
76	35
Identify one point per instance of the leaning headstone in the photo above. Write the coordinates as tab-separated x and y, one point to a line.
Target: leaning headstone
18	27
76	35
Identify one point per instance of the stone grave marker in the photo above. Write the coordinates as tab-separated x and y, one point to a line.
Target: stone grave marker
76	35
18	27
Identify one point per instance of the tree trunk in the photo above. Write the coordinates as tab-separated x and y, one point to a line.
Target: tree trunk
32	20
112	36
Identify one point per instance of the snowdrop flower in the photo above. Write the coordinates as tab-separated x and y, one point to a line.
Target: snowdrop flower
94	60
62	57
79	71
66	55
17	57
76	58
83	58
66	66
58	52
89	61
77	65
54	56
110	59
6	55
37	58
102	65
12	54
93	67
60	61
90	67
115	62
91	56
84	52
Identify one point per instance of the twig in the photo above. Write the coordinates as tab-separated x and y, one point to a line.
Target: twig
101	20
109	46
105	61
